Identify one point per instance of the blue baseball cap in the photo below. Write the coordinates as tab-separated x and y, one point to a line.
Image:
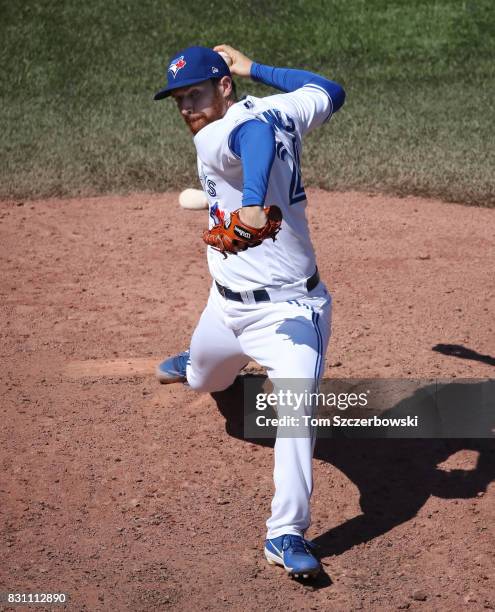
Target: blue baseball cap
193	65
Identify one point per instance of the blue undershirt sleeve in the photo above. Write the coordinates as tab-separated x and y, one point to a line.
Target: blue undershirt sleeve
289	79
254	142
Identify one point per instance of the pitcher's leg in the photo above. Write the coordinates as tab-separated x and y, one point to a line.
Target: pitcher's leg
216	357
293	479
293	351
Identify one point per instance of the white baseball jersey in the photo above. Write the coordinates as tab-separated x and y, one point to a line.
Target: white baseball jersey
291	257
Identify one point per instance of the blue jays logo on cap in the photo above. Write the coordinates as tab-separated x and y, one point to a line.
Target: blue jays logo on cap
193	65
176	65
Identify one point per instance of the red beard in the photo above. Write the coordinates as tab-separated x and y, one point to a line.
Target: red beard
198	121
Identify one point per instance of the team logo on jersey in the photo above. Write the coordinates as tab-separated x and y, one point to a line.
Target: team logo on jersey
216	214
176	65
210	186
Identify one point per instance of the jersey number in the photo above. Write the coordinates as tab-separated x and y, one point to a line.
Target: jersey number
296	189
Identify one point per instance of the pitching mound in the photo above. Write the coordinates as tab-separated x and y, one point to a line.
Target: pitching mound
132	496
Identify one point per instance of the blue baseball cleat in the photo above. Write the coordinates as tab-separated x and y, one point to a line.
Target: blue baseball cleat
292	551
173	369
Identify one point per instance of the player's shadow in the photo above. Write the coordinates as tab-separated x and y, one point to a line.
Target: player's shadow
457	350
296	330
395	477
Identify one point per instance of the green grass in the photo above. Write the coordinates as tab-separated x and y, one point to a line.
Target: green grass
77	80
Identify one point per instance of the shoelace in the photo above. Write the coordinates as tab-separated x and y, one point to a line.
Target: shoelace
181	361
298	544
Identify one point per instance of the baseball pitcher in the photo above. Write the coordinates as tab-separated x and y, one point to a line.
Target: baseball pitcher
267	302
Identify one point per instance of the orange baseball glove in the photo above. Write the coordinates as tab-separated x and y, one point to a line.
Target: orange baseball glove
233	236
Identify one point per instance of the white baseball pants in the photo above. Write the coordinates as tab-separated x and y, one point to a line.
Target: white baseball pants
288	338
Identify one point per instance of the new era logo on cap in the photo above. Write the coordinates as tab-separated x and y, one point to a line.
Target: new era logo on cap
193	65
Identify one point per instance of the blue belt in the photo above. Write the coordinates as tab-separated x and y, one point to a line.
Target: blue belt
261	295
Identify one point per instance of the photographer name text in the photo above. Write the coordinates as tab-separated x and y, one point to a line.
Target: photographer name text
334	421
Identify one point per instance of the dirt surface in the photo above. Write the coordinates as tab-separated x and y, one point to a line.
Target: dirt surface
133	496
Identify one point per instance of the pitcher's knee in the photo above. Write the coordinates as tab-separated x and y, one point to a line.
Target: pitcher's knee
204	385
198	384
